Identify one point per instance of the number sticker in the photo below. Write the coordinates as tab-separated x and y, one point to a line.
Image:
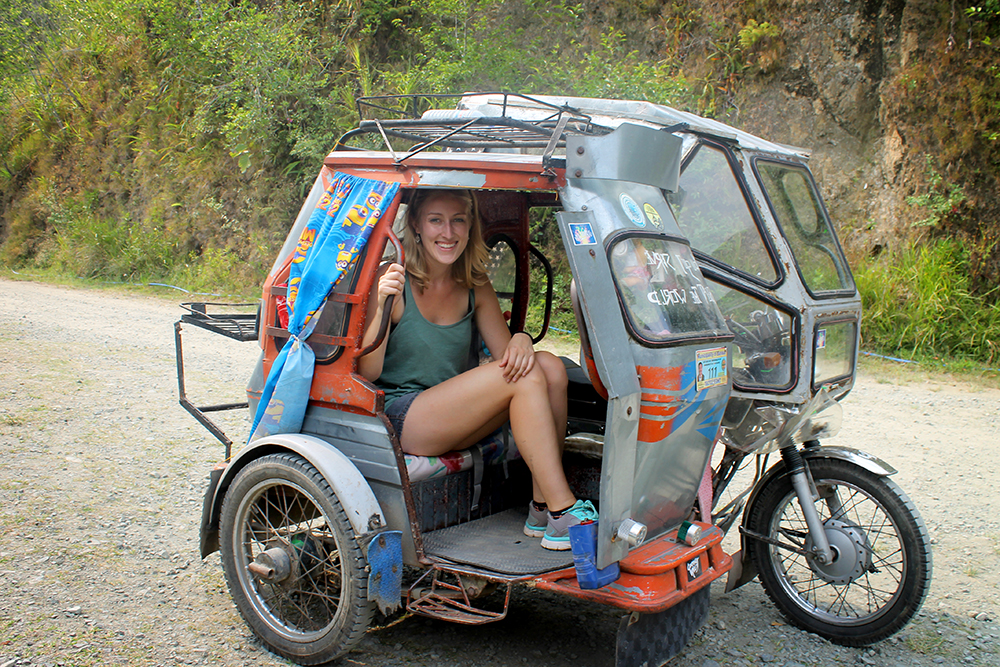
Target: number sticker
711	366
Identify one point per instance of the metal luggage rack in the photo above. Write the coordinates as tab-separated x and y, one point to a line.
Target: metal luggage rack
239	326
417	120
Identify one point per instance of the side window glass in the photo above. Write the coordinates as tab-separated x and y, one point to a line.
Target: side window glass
502	269
713	214
333	319
763	337
834	347
798	210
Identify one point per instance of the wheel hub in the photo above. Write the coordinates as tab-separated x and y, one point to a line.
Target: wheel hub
272	566
852	556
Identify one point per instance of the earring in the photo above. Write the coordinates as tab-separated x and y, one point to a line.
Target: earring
418	239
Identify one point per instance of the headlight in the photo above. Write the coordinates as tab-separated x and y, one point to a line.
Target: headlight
833	351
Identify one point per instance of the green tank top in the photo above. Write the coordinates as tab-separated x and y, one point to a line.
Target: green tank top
421	354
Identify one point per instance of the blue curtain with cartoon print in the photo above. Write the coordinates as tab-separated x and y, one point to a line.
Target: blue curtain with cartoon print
331	241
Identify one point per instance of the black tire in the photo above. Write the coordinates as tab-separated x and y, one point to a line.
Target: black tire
883	567
313	606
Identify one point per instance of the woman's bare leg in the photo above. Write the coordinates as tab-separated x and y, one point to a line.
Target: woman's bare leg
557	383
459	412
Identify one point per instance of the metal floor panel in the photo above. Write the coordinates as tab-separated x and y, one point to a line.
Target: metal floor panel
495	543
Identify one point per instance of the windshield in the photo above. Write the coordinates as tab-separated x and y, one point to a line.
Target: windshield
797	208
764	337
662	289
713	214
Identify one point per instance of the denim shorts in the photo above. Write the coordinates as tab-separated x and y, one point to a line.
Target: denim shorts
397	409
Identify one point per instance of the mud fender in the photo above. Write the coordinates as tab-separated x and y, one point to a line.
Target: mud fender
382	548
872	464
353	491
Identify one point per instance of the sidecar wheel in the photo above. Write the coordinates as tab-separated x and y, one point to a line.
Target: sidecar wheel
882	566
292	565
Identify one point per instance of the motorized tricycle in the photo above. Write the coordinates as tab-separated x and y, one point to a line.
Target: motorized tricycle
718	323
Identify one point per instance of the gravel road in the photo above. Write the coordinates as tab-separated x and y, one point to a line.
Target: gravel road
103	472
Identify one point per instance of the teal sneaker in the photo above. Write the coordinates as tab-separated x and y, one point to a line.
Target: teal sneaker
556	536
537	521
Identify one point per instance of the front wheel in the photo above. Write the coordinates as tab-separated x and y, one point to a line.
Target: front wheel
293	567
881	569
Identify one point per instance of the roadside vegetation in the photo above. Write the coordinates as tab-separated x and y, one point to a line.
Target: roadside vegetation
919	304
172	141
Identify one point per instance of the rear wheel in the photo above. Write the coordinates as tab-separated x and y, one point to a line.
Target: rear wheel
293	568
881	569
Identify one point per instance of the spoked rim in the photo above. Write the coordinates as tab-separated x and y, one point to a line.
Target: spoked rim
281	515
876	564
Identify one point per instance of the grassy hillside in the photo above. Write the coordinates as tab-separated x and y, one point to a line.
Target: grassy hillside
157	138
173	140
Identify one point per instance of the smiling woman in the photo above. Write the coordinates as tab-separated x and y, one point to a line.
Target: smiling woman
446	216
435	401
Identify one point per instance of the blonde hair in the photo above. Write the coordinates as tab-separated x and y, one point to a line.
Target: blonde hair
469	270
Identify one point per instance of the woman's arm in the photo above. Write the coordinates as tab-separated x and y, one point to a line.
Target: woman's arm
389	283
515	353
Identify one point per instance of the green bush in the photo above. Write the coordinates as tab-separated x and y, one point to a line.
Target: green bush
919	302
940	201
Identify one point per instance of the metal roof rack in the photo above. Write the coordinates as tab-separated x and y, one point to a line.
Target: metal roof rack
415	120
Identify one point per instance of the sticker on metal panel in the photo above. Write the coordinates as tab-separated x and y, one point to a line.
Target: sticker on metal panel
653	215
632	210
712	370
582	233
693	568
820	339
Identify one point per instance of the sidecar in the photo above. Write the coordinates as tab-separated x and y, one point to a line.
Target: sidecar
316	527
707	284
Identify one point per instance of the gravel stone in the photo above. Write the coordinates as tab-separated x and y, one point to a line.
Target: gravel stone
103	474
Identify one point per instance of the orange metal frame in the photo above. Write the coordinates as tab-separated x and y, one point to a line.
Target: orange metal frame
337	384
654	577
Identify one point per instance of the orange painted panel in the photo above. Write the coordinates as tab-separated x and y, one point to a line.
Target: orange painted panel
500	172
653	577
654	430
667	379
656	412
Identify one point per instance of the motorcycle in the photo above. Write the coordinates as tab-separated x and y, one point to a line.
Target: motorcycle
838	546
718	324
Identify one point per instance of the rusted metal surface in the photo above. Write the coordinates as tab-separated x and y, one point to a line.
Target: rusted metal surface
451	601
470	170
404	480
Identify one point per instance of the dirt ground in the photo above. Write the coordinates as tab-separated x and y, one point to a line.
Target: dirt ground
103	472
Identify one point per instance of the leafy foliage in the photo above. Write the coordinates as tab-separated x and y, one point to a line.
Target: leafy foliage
761	44
940	201
612	70
203	122
920	301
183	117
175	139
